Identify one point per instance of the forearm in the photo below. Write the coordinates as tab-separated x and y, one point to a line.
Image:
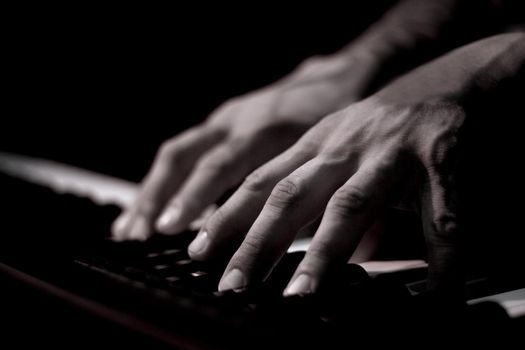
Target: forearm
480	67
410	33
412	25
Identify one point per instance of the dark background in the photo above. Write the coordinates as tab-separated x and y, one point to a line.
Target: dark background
101	87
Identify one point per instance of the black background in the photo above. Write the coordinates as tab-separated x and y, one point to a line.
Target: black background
101	86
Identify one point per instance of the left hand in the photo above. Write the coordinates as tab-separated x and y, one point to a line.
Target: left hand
196	168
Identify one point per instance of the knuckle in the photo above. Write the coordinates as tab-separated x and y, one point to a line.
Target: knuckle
214	163
445	228
252	243
232	104
348	200
440	148
224	157
168	149
223	223
226	112
286	193
301	150
170	155
216	221
311	63
440	152
172	149
248	251
255	182
258	247
309	144
319	253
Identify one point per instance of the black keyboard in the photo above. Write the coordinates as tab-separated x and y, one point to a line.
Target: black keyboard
64	240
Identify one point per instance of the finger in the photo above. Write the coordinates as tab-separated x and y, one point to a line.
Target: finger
220	170
440	226
349	214
224	230
295	202
172	164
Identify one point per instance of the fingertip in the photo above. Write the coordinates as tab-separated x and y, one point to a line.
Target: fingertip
301	285
140	230
234	279
169	221
119	226
199	245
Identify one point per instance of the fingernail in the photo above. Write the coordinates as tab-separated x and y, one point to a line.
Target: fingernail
140	229
300	286
199	244
119	225
168	219
233	280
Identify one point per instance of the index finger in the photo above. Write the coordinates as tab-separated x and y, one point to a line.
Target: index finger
172	165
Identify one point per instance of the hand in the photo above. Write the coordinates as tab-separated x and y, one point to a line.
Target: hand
354	164
348	169
194	169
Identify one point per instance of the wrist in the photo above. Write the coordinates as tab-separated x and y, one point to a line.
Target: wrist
351	70
472	69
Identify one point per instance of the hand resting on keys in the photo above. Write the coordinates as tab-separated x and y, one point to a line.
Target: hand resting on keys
194	169
308	149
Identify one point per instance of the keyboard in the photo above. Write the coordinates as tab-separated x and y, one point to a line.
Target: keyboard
59	242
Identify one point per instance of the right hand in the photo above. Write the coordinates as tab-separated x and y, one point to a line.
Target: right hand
194	169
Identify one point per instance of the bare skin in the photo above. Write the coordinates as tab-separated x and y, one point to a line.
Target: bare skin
355	163
400	140
194	169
